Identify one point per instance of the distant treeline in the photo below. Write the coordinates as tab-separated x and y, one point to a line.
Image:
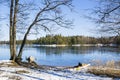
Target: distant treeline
69	40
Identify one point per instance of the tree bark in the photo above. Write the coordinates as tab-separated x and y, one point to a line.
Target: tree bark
49	6
19	57
14	28
11	29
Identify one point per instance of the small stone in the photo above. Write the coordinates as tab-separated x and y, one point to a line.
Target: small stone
31	59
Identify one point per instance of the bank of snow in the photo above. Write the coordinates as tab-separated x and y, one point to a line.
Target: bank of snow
11	71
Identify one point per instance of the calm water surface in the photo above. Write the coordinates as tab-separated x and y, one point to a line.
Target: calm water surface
65	56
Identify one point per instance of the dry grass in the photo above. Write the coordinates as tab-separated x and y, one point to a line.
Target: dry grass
110	64
9	64
109	69
22	71
13	64
12	77
105	71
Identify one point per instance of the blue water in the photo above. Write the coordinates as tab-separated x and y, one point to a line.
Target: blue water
65	56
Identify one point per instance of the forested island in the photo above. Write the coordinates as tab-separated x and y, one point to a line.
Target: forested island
70	40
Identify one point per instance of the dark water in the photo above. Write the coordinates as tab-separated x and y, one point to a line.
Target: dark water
65	56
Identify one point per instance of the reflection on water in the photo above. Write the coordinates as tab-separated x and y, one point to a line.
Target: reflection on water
65	56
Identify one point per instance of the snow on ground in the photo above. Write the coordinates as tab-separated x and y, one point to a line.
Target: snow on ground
8	71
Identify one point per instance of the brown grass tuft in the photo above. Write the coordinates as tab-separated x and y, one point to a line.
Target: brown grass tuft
15	78
109	69
105	71
22	71
110	64
12	77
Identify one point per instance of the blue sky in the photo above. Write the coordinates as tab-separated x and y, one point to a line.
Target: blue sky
82	26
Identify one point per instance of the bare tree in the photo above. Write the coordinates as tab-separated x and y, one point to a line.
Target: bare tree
48	14
12	4
13	24
108	16
11	29
35	15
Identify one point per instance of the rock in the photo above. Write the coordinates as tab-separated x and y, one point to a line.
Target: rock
31	59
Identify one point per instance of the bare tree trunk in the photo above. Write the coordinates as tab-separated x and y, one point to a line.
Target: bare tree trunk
19	57
11	29
51	5
14	28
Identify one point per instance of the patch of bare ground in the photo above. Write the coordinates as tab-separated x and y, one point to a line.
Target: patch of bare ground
34	65
110	68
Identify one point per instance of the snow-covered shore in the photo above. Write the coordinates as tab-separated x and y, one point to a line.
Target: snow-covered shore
11	71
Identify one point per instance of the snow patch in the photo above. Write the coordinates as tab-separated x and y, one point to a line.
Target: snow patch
12	73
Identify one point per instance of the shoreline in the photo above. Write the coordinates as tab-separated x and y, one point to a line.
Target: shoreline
74	45
9	70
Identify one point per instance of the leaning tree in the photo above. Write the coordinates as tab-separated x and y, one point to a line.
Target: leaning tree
34	15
